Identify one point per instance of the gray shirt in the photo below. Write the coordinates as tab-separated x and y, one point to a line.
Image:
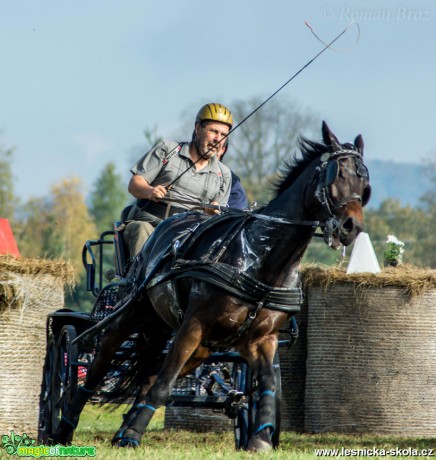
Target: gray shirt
212	183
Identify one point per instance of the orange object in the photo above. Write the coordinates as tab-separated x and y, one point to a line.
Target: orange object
8	244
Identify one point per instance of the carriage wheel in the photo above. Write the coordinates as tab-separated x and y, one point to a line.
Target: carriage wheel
64	383
243	424
47	415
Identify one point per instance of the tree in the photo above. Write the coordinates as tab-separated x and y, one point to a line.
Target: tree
108	198
261	143
7	198
73	222
74	226
426	231
59	225
37	235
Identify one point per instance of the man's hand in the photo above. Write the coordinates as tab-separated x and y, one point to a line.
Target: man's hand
156	193
140	188
211	211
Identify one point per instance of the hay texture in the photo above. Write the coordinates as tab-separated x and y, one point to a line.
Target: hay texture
371	353
196	419
293	376
29	290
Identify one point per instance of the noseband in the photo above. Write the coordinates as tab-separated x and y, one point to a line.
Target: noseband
328	172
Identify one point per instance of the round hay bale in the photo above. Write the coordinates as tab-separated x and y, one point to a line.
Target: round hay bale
195	419
293	373
371	359
29	290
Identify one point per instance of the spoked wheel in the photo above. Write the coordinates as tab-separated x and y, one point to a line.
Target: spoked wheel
244	422
64	384
47	415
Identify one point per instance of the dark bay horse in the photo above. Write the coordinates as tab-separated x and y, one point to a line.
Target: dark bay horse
229	281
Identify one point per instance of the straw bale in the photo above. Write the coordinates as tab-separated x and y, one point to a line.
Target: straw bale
196	419
371	359
413	280
29	291
13	291
293	375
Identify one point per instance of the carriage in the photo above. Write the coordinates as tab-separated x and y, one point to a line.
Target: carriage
211	291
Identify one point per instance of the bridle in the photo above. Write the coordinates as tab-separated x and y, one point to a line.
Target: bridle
328	171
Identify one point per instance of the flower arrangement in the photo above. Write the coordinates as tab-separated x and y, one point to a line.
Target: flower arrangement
394	251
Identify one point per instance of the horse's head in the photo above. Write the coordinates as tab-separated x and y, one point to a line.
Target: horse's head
341	189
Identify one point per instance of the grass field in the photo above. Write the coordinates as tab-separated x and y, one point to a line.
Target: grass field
98	425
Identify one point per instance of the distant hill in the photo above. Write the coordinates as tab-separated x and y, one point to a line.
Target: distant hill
406	182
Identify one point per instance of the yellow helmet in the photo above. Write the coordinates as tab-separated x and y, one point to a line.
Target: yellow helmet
215	112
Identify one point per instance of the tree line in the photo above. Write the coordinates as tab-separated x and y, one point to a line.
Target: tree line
58	224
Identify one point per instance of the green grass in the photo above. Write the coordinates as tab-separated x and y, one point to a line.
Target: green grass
98	425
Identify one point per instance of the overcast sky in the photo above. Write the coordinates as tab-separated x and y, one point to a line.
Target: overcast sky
80	80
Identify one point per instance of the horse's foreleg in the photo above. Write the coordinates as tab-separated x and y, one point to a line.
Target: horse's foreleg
186	342
110	343
261	362
153	363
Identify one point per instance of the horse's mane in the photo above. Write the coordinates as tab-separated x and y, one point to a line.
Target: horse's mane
297	162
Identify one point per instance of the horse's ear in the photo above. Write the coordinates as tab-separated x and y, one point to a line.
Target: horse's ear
329	138
358	142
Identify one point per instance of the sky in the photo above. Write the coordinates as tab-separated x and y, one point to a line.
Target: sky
81	80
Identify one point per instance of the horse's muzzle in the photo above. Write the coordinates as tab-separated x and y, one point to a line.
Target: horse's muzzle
348	230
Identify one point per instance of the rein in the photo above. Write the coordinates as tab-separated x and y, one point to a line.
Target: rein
250	212
321	193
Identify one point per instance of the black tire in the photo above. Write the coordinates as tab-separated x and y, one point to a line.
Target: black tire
245	419
60	381
47	416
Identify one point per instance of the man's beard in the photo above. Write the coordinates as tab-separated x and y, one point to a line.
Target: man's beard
205	155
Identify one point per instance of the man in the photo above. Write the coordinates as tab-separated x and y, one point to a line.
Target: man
180	172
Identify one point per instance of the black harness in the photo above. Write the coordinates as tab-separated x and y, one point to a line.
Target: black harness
222	275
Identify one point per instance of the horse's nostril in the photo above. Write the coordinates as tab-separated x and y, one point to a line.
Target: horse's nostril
348	225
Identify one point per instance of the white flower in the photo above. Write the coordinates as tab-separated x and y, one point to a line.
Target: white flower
394	249
394	240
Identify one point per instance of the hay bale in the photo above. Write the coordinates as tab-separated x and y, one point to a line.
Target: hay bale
196	419
371	360
293	373
29	290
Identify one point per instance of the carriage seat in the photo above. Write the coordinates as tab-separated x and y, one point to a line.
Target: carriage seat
121	249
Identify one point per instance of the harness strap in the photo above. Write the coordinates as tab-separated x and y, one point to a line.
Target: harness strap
242	329
237	283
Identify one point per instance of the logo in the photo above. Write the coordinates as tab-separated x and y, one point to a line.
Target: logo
24	446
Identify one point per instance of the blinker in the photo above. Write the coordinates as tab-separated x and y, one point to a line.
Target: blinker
331	172
362	170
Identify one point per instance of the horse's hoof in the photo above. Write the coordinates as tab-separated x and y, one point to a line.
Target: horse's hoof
258	445
125	442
